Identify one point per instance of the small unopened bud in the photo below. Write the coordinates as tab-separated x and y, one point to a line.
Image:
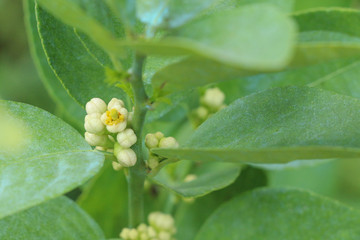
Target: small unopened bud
93	124
202	112
126	138
159	135
115	103
161	221
97	140
213	98
142	227
168	142
117	166
153	162
125	233
95	105
164	236
151	140
125	156
190	177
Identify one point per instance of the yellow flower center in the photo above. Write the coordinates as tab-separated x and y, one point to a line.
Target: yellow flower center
113	117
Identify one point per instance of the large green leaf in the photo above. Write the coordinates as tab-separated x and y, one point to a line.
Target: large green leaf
72	109
281	214
80	73
277	126
190	216
208	177
51	159
235	37
59	218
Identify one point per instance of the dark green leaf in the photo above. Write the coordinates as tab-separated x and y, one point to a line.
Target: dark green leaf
72	109
80	73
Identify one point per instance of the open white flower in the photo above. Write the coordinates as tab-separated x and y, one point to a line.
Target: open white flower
126	138
93	124
95	105
115	119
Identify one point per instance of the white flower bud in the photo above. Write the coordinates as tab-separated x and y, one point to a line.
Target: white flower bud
213	98
151	232
95	105
125	156
127	138
159	135
97	140
153	162
190	177
164	236
202	112
115	103
117	166
142	227
93	124
133	234
115	119
168	142
124	233
151	140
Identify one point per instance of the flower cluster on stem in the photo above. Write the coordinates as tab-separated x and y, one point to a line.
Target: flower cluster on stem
158	140
106	129
161	227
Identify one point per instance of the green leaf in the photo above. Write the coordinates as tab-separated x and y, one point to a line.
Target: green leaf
72	109
80	73
274	214
308	4
190	216
51	159
237	38
59	218
209	177
320	41
171	13
277	126
71	13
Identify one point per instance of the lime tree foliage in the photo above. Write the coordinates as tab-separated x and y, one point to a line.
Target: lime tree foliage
179	110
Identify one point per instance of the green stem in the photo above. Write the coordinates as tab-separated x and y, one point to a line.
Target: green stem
137	173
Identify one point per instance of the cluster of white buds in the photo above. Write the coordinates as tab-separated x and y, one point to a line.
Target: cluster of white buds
211	102
105	127
161	227
158	140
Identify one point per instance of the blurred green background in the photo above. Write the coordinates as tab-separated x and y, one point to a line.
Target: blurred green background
19	81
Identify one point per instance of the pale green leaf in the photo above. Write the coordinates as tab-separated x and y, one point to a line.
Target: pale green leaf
51	159
56	219
277	126
235	37
208	177
275	214
171	13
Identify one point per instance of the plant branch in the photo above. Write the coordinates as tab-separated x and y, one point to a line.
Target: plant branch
137	173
